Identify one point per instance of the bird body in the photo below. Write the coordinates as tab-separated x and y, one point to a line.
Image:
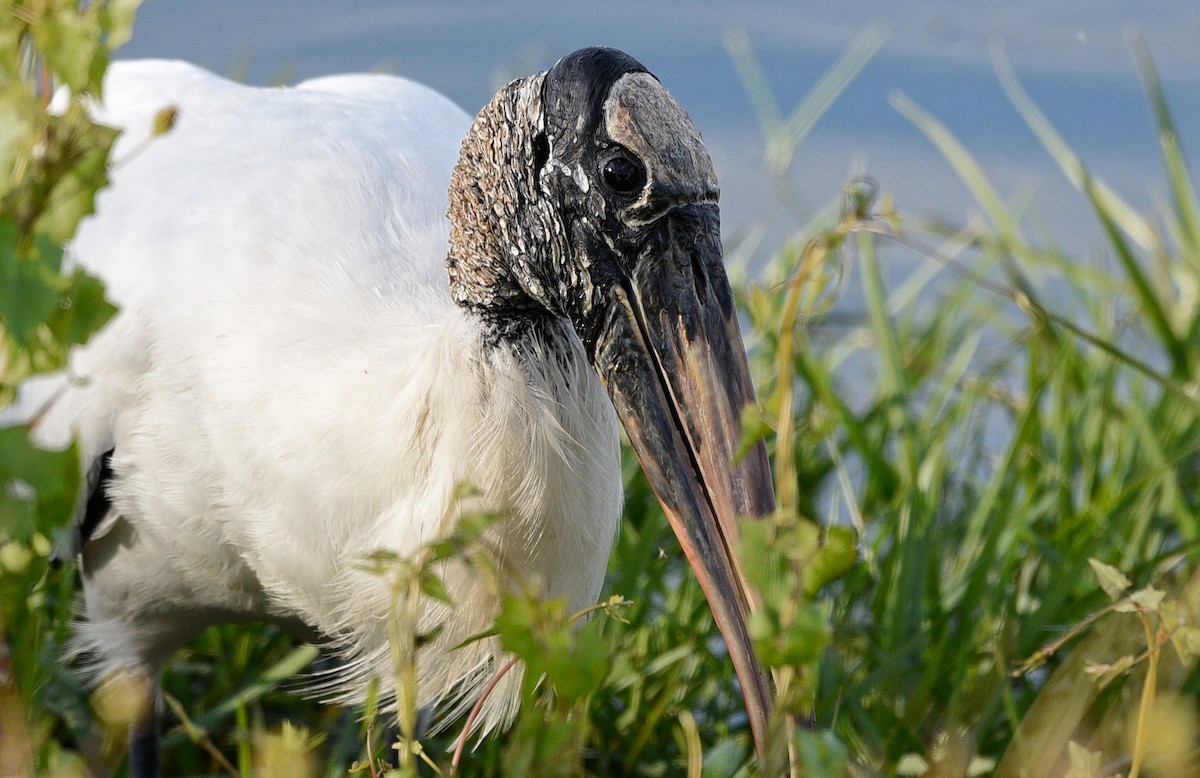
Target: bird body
293	389
340	303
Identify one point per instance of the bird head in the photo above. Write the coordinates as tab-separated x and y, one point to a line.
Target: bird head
586	193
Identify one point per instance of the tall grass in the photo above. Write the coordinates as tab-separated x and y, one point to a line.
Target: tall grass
984	561
994	423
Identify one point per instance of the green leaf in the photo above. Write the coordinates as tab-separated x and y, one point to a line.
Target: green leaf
1148	599
1186	639
1106	672
542	747
1112	580
82	311
38	488
432	586
724	759
516	624
76	176
822	753
476	637
765	566
795	644
836	556
30	288
17	128
578	670
116	21
541	634
70	41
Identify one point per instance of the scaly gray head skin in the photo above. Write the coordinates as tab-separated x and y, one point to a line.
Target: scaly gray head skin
585	194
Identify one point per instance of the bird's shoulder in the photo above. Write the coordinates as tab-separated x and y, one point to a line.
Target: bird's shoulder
361	109
341	178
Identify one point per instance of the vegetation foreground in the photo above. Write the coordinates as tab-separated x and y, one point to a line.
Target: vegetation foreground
986	456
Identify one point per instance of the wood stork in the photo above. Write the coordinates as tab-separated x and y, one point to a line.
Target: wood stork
291	384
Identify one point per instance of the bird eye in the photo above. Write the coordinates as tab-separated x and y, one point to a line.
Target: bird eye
541	150
624	174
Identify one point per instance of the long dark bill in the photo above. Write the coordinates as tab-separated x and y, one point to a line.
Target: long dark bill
672	359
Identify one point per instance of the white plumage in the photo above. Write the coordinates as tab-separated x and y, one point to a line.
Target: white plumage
292	388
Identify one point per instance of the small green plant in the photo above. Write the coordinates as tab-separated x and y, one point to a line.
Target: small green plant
52	162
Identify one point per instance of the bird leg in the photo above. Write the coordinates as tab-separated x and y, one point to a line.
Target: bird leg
143	750
144	759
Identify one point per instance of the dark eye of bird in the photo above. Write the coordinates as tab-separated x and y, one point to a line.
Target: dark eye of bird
541	150
624	174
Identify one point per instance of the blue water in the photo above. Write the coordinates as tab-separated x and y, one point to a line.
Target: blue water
1071	55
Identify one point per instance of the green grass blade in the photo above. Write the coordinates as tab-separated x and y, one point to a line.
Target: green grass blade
754	82
1187	207
287	668
783	136
1138	228
891	374
964	165
1151	302
892	383
821	97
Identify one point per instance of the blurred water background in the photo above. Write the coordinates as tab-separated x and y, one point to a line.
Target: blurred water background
1072	56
